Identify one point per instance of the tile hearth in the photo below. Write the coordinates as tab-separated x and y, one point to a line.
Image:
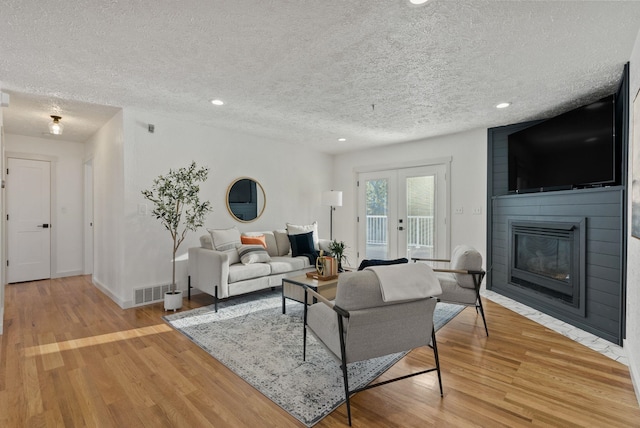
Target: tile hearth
589	340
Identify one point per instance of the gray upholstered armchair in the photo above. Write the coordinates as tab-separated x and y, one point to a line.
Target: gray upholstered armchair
461	281
362	323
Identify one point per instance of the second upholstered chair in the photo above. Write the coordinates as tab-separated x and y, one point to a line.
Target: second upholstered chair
461	281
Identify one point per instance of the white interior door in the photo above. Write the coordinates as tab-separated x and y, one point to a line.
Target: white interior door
28	220
88	217
403	213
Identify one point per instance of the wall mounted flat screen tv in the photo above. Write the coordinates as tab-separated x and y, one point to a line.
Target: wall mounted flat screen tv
576	149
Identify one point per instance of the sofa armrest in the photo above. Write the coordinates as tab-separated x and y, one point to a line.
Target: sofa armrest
208	268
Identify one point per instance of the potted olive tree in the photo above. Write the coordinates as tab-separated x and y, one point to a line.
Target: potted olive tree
177	205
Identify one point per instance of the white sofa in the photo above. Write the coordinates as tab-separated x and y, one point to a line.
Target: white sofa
220	273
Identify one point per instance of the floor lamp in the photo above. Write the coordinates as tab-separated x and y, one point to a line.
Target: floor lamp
333	198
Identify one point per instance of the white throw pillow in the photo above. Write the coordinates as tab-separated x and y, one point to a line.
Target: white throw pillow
253	254
293	229
282	241
206	242
225	239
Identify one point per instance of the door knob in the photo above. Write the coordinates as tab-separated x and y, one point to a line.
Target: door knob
400	228
45	226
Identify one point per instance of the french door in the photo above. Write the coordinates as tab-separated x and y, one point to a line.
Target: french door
403	213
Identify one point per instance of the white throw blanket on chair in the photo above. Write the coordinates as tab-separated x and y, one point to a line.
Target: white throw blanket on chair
406	281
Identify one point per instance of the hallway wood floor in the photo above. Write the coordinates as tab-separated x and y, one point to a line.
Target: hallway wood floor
70	357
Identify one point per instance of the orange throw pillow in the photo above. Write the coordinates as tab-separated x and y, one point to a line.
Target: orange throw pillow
254	240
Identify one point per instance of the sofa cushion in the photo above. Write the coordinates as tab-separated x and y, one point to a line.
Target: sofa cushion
206	242
282	241
234	257
253	240
293	229
225	239
283	264
240	272
302	244
269	240
253	254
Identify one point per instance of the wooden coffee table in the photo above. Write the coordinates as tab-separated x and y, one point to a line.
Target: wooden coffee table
293	288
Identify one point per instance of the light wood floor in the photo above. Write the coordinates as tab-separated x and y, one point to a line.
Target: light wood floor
71	357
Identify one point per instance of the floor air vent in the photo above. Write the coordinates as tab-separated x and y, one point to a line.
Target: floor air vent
149	294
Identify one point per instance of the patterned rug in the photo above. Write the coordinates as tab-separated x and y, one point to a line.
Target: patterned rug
252	337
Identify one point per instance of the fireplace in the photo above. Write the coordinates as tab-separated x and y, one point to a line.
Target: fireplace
547	262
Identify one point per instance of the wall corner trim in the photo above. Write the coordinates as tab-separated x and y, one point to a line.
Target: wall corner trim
633	370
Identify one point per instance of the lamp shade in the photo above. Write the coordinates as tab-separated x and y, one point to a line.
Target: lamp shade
332	198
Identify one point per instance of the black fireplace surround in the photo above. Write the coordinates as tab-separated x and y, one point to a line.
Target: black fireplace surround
547	262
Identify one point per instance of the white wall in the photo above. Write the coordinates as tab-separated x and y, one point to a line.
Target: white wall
468	183
292	177
2	264
66	255
105	148
632	341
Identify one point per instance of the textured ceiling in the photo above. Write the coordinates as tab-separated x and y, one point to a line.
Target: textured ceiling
307	72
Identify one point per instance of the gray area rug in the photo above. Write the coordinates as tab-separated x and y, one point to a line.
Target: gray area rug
252	337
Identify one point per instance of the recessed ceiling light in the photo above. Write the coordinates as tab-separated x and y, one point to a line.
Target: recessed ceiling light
217	102
503	105
342	139
418	2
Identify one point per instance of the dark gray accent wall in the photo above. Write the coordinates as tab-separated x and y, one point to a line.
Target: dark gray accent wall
603	209
498	176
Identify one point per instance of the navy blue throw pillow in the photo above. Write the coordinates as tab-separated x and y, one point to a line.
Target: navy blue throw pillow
302	244
377	262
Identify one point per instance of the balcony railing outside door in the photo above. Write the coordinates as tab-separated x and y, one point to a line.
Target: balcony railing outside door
419	236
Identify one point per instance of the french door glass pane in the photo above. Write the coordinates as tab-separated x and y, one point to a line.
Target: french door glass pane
420	216
377	210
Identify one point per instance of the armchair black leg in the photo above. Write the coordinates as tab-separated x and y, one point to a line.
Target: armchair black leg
434	345
345	376
215	299
346	390
189	287
483	317
477	280
304	328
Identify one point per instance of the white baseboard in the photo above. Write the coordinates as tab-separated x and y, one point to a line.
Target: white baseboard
123	304
67	273
1	320
634	370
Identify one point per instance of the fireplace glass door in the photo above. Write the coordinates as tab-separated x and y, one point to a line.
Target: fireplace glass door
546	256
